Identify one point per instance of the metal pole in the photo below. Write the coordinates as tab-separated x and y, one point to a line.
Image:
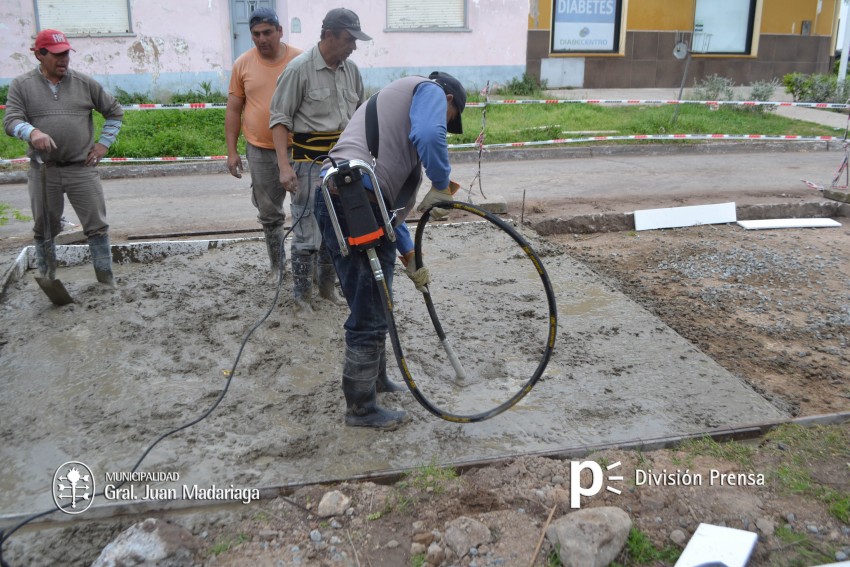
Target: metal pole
682	86
842	66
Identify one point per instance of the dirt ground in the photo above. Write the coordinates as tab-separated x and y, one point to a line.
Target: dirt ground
772	307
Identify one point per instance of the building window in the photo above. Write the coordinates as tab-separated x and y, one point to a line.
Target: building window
586	26
426	15
724	26
77	17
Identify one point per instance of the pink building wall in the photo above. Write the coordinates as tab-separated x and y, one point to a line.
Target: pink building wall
177	44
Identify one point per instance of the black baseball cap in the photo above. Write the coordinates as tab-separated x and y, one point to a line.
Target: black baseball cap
344	19
263	15
453	87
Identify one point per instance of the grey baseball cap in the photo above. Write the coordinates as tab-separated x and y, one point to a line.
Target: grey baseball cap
263	15
453	87
344	19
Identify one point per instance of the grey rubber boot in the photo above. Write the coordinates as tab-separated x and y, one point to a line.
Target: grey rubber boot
358	384
302	282
384	384
101	257
276	248
326	277
41	253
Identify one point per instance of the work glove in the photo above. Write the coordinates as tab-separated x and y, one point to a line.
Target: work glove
420	276
435	195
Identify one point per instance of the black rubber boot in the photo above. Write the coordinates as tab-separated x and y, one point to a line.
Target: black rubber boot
384	384
326	277
276	248
358	384
101	257
302	282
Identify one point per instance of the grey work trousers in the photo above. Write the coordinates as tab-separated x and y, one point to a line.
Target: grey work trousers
81	183
266	192
308	237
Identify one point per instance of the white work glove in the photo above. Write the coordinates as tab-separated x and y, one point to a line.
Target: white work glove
420	276
435	195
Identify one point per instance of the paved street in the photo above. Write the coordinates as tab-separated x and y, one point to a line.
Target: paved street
605	183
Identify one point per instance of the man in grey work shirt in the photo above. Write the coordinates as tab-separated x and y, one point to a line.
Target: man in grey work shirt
51	107
315	97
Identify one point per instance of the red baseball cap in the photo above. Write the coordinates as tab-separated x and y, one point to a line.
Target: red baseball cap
53	41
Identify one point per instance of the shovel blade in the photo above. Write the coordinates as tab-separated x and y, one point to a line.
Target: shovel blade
55	291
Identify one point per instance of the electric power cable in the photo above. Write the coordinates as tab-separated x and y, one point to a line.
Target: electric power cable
5	534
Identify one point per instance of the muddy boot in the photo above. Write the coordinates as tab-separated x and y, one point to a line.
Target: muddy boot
276	249
42	251
384	384
326	276
302	282
358	384
101	257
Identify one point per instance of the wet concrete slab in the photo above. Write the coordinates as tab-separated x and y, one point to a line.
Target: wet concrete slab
98	381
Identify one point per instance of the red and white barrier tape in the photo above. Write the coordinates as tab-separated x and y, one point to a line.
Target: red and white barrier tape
177	106
772	137
715	103
133	160
703	137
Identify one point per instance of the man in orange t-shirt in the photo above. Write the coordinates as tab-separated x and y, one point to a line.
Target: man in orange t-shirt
252	84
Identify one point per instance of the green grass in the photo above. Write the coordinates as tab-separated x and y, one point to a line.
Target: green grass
7	213
639	550
798	550
803	449
224	544
728	451
431	478
155	133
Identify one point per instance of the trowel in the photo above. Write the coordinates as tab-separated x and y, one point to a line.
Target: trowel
52	287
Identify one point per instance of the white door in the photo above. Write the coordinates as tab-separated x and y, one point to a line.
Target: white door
240	14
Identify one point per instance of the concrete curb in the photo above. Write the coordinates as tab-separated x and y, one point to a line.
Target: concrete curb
519	154
616	222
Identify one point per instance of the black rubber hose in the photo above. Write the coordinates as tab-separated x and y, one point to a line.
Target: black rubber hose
550	297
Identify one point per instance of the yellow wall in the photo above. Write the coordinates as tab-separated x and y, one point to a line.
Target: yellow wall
777	17
658	15
786	16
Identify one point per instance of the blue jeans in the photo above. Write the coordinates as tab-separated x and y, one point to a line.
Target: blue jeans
366	326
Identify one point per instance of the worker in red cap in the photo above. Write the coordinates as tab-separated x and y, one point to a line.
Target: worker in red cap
50	108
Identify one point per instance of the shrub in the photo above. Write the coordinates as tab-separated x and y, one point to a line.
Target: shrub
204	93
714	87
4	92
528	85
762	91
816	88
125	98
794	85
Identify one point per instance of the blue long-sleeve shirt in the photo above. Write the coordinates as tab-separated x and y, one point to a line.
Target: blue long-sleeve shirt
428	132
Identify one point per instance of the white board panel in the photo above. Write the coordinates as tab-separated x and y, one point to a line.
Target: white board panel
83	17
649	219
718	545
788	223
